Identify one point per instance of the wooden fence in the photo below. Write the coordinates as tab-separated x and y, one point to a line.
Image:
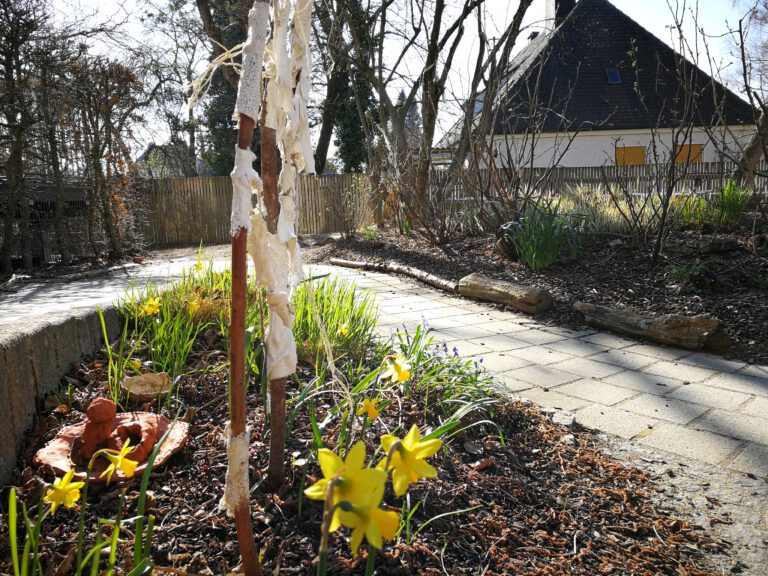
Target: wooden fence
187	211
703	177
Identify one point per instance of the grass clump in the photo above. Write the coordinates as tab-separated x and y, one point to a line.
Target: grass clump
543	235
347	316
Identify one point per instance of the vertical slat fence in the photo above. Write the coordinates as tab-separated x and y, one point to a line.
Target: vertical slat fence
187	211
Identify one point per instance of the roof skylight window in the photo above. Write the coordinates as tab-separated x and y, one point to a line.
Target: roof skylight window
613	75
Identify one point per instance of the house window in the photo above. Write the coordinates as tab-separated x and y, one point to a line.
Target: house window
630	155
688	154
613	75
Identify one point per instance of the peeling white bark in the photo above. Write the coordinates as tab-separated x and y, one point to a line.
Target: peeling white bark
249	88
236	487
277	257
244	181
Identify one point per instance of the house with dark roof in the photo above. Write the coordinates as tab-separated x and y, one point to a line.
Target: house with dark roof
596	88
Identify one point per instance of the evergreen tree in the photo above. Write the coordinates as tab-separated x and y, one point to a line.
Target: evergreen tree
350	137
413	127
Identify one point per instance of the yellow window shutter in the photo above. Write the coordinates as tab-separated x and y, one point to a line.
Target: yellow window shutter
688	154
630	155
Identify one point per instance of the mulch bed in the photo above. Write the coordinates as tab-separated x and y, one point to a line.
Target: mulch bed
543	501
731	286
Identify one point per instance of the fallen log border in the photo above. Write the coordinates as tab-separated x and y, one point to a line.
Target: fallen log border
687	332
395	268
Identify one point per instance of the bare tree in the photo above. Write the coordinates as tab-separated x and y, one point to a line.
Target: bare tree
401	33
20	22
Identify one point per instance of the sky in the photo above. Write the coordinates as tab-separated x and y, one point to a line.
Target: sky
715	17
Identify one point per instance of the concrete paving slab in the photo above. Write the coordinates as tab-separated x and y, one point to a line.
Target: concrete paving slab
678	371
756	371
695	444
741	383
538	337
710	396
609	340
506	327
677	411
465	348
587	368
713	362
644	382
597	391
501	362
752	460
511	384
540	355
443	323
658	352
739	426
544	376
576	347
757	406
553	399
500	342
466	332
615	421
567	332
622	358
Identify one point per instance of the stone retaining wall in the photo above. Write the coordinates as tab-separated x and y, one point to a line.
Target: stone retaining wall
33	358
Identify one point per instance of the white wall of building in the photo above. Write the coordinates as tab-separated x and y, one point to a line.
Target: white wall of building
597	148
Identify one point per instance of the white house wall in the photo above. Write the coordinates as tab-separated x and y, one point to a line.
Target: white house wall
597	148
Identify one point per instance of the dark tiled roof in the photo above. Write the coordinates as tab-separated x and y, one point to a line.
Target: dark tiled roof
574	92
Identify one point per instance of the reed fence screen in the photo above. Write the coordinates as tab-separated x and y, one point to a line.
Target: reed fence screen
184	211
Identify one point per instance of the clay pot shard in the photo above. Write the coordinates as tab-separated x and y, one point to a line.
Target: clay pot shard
146	387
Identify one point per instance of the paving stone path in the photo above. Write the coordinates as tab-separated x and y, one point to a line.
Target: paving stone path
695	405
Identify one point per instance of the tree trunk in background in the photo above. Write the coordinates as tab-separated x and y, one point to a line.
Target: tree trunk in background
25	229
53	150
13	171
752	154
330	111
192	145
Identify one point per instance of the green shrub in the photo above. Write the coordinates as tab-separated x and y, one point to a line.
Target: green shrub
370	233
693	210
731	203
725	209
544	235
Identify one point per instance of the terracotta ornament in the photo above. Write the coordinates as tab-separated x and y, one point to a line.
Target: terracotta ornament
74	445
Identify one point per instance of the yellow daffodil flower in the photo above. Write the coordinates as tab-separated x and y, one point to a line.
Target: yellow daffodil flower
406	459
119	462
343	330
369	408
198	266
63	491
151	307
362	514
399	370
351	476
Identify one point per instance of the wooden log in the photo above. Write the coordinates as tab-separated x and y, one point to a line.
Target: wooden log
714	244
523	298
395	268
689	332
